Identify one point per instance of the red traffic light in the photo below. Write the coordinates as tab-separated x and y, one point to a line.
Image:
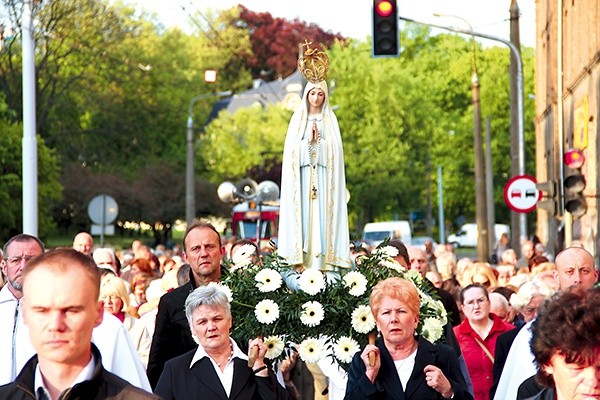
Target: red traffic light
384	8
574	158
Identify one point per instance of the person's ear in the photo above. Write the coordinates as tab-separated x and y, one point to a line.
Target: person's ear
99	313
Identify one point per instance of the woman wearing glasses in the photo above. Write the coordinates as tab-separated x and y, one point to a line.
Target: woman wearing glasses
477	336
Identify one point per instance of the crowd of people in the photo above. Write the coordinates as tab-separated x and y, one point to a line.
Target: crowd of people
146	323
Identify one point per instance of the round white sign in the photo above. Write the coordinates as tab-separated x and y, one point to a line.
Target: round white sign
520	193
103	209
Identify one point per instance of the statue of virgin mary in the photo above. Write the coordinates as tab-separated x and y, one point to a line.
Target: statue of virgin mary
313	222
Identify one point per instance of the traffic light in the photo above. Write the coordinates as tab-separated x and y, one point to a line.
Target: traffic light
385	29
574	184
549	202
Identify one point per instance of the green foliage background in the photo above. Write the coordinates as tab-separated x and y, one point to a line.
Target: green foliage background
112	104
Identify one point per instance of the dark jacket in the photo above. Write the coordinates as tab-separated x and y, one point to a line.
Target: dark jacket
546	394
180	382
387	384
503	343
172	335
103	385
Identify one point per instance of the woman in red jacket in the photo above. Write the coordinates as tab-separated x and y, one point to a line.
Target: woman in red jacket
477	336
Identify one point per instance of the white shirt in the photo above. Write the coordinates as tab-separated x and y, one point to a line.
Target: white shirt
405	368
225	376
519	366
85	375
119	355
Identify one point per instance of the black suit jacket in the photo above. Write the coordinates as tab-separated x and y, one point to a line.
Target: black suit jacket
172	335
180	382
388	386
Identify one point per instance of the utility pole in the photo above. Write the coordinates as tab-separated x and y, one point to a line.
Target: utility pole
483	251
517	220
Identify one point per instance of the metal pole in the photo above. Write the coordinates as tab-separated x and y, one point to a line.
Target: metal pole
441	206
30	184
190	199
515	218
515	52
489	185
103	224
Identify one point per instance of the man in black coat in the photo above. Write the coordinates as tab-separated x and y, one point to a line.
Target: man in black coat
61	308
203	252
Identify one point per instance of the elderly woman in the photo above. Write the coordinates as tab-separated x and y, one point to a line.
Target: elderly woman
405	365
217	368
567	348
113	293
477	336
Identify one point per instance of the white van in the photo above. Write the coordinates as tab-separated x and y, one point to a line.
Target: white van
466	236
375	232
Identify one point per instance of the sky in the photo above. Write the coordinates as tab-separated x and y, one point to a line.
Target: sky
485	16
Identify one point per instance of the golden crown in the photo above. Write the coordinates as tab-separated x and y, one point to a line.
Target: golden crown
313	63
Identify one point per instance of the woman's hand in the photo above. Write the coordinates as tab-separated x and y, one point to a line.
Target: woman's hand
259	363
436	379
372	370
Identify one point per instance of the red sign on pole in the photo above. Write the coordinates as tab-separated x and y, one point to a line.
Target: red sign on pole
520	193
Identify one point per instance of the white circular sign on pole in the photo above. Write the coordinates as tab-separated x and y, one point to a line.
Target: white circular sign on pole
520	193
103	210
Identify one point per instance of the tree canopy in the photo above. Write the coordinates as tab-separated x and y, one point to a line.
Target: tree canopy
114	90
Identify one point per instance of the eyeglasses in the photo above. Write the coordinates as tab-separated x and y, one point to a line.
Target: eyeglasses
16	260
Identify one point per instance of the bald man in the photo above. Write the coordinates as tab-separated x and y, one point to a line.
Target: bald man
574	267
83	243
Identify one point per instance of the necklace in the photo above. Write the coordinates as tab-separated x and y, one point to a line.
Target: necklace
314	145
228	358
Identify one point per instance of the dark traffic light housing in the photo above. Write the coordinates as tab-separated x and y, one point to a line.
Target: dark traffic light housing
385	29
574	184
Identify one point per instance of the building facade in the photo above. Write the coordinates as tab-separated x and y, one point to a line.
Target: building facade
567	112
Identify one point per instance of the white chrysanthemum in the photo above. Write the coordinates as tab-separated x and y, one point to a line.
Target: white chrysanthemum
414	276
311	350
392	264
223	288
387	251
356	282
311	281
438	309
362	319
432	329
345	348
312	313
268	280
266	311
274	347
243	256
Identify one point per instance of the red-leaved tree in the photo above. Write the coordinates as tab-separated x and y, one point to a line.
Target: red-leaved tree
276	41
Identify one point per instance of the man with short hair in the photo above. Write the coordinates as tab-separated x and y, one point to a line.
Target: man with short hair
111	336
203	251
574	268
18	251
83	243
67	364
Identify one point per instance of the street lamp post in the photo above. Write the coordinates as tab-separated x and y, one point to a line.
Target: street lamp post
522	228
190	198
